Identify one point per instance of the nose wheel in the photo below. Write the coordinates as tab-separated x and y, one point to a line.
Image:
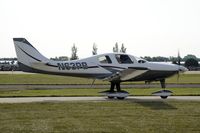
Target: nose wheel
164	97
111	97
163	93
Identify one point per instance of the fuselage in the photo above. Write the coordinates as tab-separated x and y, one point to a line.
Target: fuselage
109	65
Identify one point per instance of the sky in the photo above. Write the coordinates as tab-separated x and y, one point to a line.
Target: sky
146	27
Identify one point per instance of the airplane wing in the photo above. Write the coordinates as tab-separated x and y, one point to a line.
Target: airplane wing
126	74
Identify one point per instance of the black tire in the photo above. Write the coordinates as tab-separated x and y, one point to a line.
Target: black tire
164	97
110	97
121	98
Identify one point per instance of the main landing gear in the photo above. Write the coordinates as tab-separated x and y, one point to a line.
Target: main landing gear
119	94
163	93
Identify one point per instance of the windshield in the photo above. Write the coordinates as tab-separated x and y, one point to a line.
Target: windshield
140	60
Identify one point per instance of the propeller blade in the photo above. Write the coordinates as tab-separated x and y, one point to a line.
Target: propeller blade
179	64
179	58
178	76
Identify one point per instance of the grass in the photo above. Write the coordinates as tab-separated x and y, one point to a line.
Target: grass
50	79
105	116
41	79
93	92
185	79
101	117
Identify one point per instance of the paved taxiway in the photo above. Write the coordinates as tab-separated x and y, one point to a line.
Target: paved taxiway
63	99
20	72
63	86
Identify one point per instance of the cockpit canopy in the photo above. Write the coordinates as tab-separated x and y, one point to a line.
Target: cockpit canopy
140	60
119	58
123	59
105	59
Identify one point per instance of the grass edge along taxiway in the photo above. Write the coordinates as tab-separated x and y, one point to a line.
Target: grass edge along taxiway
53	79
92	92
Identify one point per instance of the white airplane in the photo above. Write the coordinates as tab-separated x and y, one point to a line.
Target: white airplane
112	67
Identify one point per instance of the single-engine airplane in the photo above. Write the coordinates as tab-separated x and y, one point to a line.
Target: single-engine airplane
112	67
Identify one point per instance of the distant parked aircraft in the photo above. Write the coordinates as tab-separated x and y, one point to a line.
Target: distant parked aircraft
112	67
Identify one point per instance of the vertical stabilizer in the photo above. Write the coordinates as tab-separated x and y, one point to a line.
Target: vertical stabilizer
27	54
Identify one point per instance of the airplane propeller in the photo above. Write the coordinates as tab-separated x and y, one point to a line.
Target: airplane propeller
178	76
179	64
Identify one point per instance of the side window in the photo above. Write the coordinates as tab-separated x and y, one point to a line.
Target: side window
105	59
141	61
123	59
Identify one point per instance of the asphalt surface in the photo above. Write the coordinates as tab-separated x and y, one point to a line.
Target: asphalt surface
20	72
64	99
64	86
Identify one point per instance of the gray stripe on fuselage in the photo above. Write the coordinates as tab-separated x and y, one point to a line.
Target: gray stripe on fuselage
138	68
154	75
112	67
48	64
26	68
93	66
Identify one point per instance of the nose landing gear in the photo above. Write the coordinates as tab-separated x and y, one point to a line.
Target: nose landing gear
163	93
